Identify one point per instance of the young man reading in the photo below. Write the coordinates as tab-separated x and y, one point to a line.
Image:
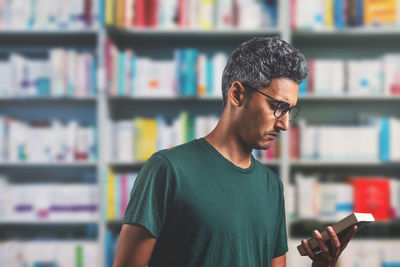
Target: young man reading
209	202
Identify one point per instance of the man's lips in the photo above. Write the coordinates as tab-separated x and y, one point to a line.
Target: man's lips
271	136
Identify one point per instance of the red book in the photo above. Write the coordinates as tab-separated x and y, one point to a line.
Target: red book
124	192
372	195
294	135
88	12
151	13
293	11
182	13
140	13
311	76
108	63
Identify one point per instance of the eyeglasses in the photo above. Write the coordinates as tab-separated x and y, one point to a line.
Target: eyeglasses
281	107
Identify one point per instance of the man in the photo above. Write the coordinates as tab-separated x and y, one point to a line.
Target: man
209	202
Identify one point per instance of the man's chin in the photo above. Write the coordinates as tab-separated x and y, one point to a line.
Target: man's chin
263	146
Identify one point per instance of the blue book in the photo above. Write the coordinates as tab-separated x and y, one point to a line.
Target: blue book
181	70
190	88
133	73
339	14
93	149
102	12
118	196
384	139
43	86
303	87
359	12
108	246
121	73
131	182
93	78
209	77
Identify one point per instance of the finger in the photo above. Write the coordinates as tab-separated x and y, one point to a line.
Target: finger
324	248
308	249
348	236
335	243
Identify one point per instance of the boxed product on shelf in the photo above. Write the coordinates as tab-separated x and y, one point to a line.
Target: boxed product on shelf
111	242
370	253
361	77
192	14
338	143
64	73
332	14
139	138
330	201
49	15
47	141
48	202
119	186
49	253
188	73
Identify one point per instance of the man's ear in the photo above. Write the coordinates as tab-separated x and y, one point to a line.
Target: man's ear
237	94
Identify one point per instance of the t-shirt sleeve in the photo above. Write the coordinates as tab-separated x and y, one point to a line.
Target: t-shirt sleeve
152	195
281	247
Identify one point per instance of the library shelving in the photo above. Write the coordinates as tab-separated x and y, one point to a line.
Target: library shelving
343	110
103	110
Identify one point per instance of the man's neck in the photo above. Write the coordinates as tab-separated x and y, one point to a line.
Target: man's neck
229	145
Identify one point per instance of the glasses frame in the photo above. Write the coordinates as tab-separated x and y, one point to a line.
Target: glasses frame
297	108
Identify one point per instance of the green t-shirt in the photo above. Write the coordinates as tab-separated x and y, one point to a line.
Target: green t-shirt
205	211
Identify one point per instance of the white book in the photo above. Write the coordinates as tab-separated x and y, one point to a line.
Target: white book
63	14
201	75
3	198
224	17
290	200
125	140
219	61
327	201
71	139
329	76
307	191
3	144
5	78
391	72
169	11
17	74
317	12
19	14
96	12
365	77
178	130
81	77
193	7
390	253
395	197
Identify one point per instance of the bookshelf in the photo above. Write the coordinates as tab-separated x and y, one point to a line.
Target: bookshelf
344	109
59	238
103	110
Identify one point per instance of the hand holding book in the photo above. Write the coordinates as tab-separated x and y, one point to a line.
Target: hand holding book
324	249
329	253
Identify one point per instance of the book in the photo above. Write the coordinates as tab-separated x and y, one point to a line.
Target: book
340	228
372	195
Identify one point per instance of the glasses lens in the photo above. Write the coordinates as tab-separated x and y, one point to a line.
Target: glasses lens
281	109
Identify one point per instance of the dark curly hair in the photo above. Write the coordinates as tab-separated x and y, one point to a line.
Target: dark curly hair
257	61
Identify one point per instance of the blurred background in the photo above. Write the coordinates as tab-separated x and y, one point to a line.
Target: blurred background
89	89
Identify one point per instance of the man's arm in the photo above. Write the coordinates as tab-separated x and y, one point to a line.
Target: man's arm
135	246
279	261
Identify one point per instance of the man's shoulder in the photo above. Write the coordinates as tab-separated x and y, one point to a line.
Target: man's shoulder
269	173
180	152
